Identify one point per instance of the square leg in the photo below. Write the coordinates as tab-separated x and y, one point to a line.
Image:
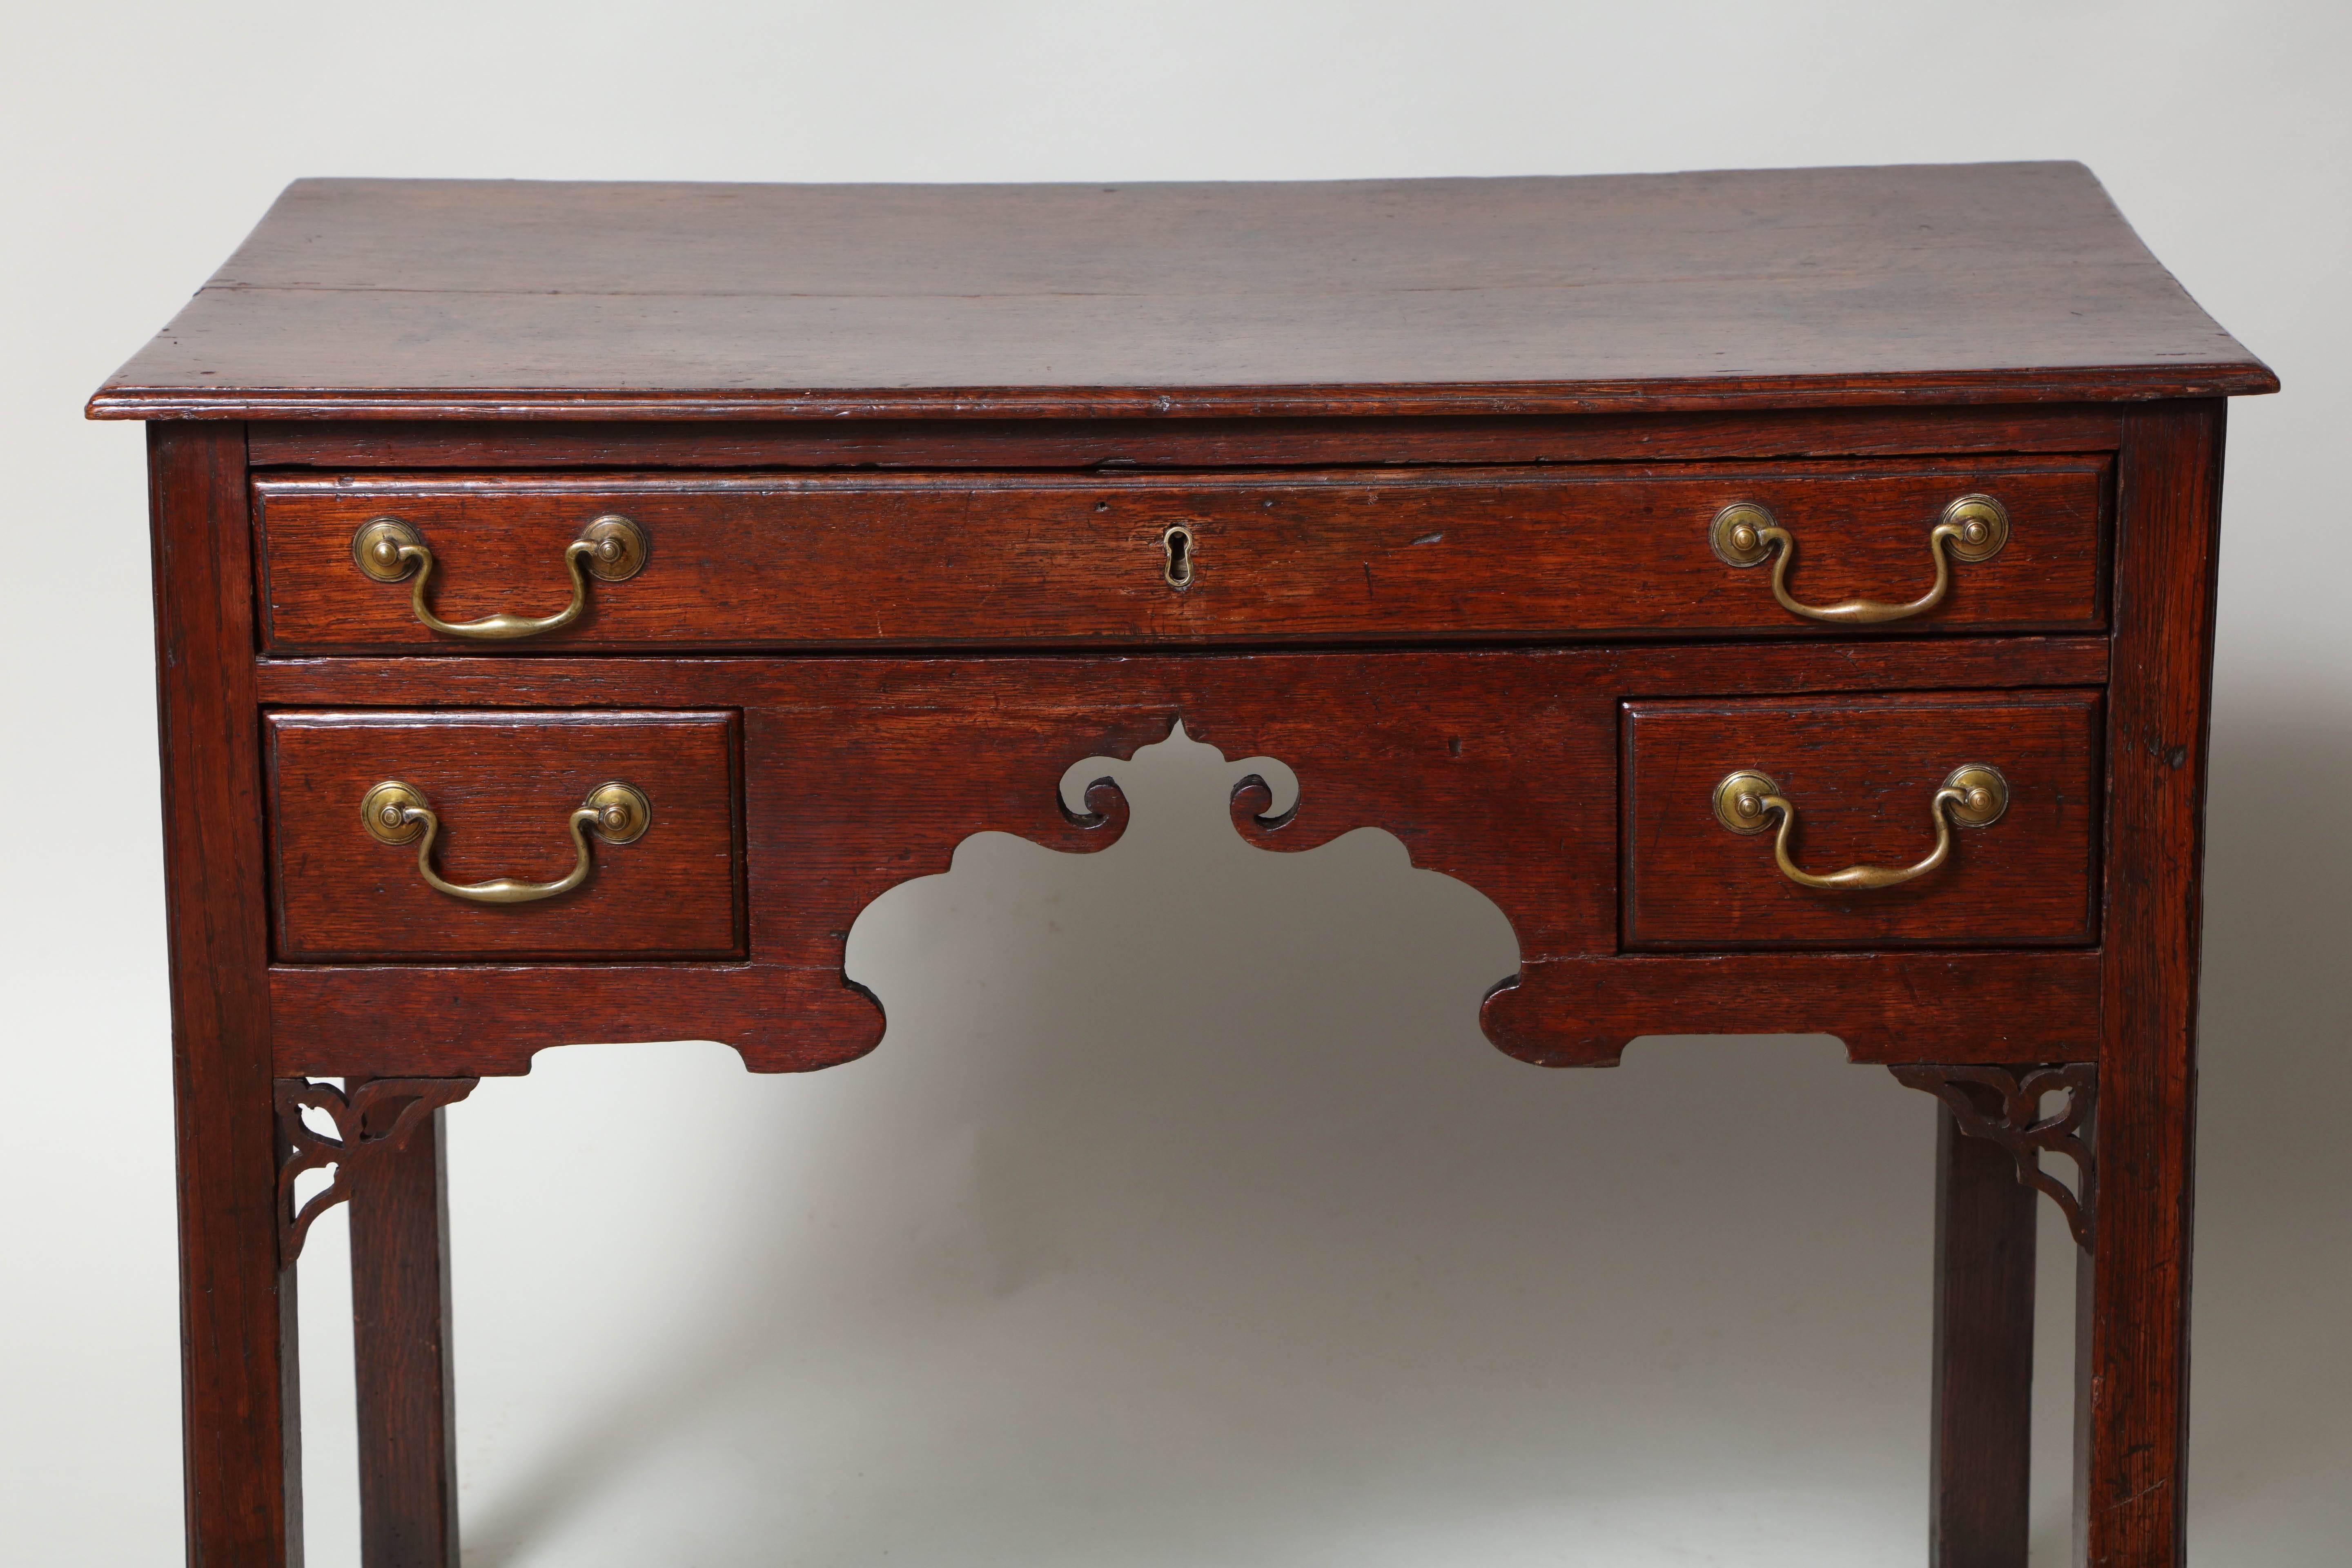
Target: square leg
1980	1450
400	1326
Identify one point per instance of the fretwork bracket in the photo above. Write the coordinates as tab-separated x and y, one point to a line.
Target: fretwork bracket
378	1115
2004	1105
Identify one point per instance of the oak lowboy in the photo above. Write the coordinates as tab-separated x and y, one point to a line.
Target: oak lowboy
1786	595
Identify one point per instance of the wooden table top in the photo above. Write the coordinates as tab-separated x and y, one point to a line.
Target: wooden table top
407	299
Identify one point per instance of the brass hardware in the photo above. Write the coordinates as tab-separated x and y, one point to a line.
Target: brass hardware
398	814
1177	544
612	549
1973	528
1974	796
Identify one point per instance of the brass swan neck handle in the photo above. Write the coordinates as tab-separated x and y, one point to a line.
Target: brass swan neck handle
1973	795
1973	527
612	549
398	814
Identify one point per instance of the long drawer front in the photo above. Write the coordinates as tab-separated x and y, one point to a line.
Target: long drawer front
568	563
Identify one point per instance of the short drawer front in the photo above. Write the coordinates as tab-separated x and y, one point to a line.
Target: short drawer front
1862	774
848	560
503	788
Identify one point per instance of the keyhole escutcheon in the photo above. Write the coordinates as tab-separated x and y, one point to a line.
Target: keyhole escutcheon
1177	545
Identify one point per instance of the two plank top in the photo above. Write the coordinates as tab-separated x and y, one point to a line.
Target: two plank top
473	299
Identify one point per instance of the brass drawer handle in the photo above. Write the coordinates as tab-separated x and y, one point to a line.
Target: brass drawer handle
1973	527
396	813
612	549
1974	796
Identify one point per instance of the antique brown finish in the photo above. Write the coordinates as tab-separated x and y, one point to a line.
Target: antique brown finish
241	1405
2010	1108
372	1124
1409	484
1499	768
2132	1358
400	1326
843	560
503	784
1980	1436
1862	772
409	299
1195	443
1670	669
386	1154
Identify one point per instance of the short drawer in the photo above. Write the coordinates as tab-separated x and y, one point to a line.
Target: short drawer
847	560
1861	783
640	809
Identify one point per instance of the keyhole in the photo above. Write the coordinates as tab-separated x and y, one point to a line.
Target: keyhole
1177	542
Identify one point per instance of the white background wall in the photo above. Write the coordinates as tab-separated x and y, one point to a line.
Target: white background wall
1185	1218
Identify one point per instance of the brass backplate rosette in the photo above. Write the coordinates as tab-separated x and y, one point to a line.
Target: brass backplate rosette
1739	801
1984	795
385	811
1737	534
619	548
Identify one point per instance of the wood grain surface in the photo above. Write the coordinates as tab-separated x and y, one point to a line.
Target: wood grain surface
240	1373
504	786
1861	771
1981	1423
502	300
950	444
1496	768
839	561
1364	397
2133	1350
402	1352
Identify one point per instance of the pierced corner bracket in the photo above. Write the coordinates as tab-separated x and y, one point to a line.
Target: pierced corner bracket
378	1115
2004	1105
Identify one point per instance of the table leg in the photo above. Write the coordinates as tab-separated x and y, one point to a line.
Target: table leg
241	1441
2131	1353
2133	1356
400	1324
1978	1453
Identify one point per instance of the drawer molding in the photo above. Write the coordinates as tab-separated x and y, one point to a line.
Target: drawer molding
869	561
484	800
1844	777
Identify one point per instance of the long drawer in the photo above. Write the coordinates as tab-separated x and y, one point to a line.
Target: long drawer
467	564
